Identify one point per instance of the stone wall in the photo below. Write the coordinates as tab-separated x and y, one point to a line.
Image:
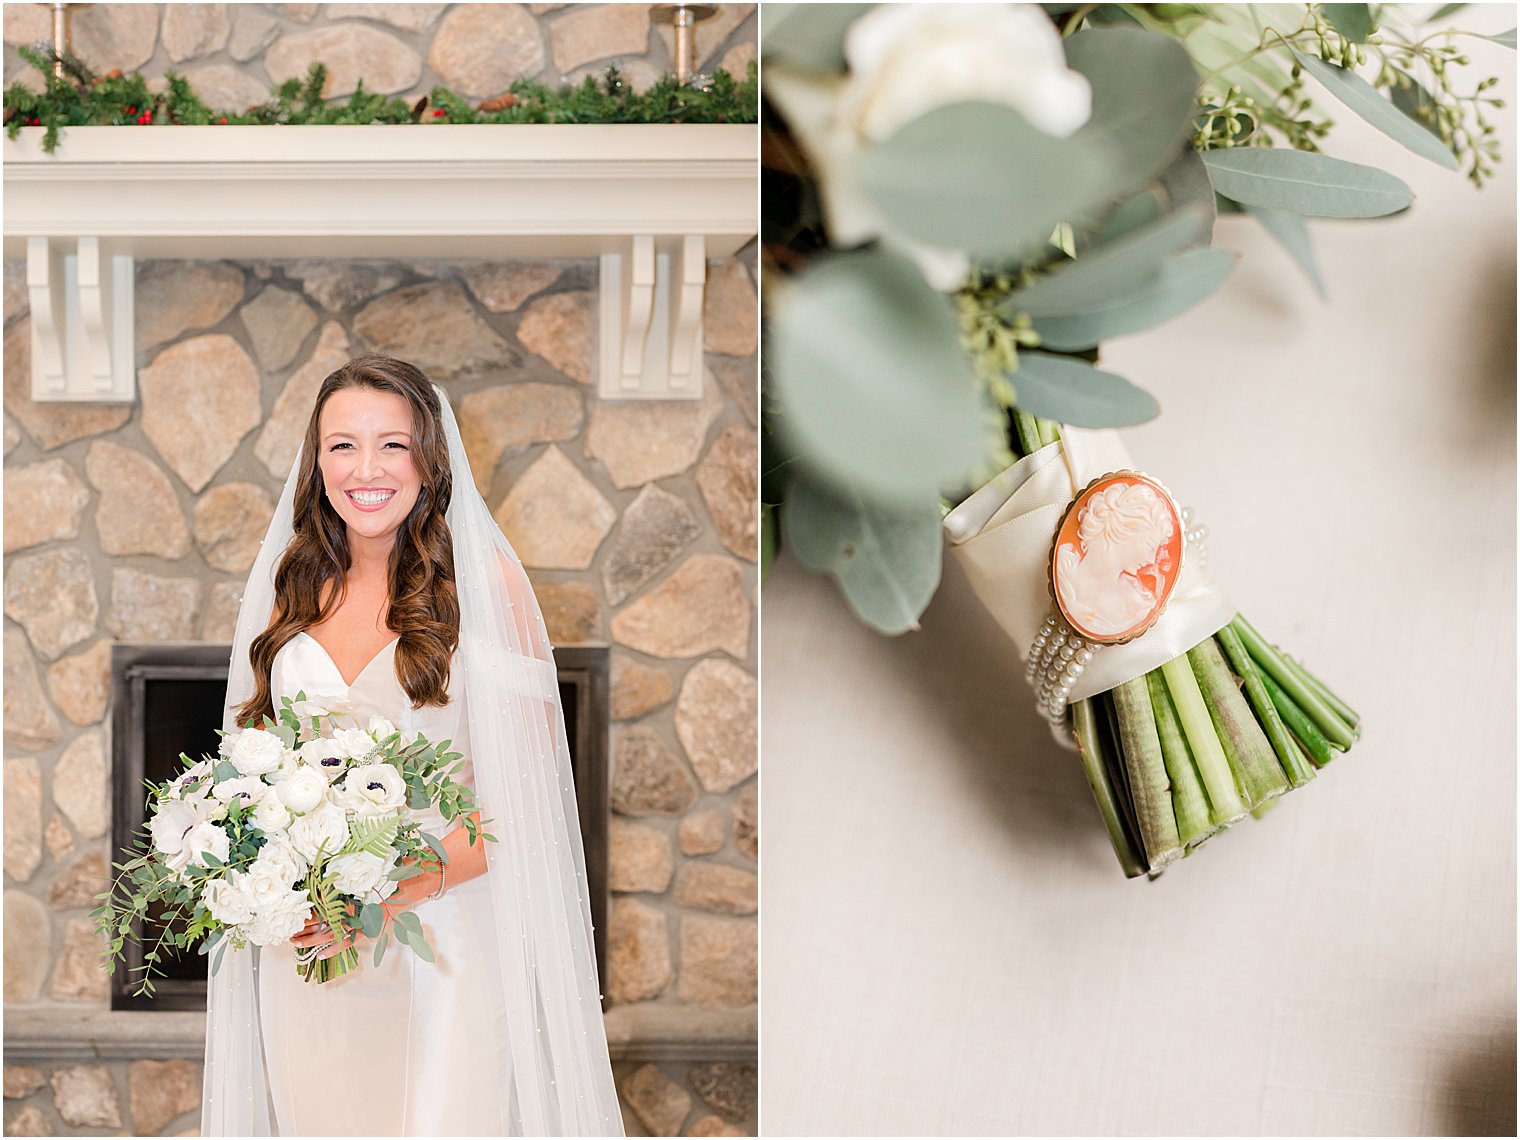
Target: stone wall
233	54
637	523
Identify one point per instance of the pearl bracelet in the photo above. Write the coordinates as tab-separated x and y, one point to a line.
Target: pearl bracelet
442	883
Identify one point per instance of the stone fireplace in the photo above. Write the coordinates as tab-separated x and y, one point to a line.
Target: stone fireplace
123	527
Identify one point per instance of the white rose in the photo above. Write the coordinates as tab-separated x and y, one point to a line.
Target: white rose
361	875
205	837
250	788
263	890
271	816
909	59
172	822
375	788
225	900
303	789
256	752
324	756
380	728
285	914
324	830
353	743
279	859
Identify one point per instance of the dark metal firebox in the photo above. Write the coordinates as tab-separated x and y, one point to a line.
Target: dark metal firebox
166	698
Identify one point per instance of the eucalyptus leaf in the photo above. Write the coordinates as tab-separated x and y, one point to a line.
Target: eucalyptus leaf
409	921
809	37
768	540
886	559
999	198
1293	235
1072	391
1109	273
380	944
1503	39
371	919
1186	183
1354	21
1363	98
1143	85
1305	183
875	388
436	845
1183	282
421	948
1443	11
1412	98
225	770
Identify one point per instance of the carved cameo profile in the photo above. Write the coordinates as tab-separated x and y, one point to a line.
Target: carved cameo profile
1116	557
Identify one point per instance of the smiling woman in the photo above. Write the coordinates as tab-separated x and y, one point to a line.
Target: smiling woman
386	592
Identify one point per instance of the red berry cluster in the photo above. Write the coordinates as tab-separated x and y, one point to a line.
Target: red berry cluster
143	119
438	112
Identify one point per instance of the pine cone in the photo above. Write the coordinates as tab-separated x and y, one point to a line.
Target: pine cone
499	103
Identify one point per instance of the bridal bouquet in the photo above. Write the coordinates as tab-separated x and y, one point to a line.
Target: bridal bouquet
964	203
302	816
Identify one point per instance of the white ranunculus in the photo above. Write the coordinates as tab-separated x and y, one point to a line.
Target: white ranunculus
280	860
284	915
354	743
250	788
375	788
324	830
303	789
359	874
906	60
256	752
225	900
271	816
172	822
205	837
380	728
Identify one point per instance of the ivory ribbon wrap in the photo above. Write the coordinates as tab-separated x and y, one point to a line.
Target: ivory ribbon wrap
1002	537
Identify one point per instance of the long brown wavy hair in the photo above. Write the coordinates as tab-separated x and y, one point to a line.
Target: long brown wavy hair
424	603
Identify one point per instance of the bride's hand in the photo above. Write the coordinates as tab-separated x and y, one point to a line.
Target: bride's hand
317	933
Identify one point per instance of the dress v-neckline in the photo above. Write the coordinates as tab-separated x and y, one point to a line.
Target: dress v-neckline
347	684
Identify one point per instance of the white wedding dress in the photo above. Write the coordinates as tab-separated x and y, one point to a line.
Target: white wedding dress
408	1048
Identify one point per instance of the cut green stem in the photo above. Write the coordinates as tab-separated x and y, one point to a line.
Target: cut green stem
1189	803
1337	731
1321	690
1225	805
1095	766
1299	724
1148	778
1028	430
1299	773
1249	751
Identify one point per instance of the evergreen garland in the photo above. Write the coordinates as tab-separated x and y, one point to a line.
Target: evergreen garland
80	98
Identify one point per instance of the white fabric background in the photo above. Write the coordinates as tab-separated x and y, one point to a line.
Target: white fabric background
949	946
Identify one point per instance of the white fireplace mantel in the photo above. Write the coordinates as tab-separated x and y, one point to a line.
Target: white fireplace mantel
653	202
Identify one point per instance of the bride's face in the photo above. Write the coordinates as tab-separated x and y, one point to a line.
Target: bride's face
367	460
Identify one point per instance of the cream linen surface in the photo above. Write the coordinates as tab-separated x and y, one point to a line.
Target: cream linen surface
403	1049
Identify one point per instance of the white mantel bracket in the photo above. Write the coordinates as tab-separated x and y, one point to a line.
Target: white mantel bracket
650	320
82	321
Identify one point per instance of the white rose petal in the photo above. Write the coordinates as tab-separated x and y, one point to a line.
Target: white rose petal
380	728
279	860
323	830
225	899
256	752
353	743
359	874
303	789
321	704
284	914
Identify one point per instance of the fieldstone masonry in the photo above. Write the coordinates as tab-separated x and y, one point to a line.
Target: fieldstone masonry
636	521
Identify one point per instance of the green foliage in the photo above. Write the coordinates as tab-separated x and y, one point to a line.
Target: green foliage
1311	184
1361	97
878	390
1180	283
1071	391
80	98
886	559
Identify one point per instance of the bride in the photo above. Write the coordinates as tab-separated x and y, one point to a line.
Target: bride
385	588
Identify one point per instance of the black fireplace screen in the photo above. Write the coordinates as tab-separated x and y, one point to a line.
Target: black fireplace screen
166	698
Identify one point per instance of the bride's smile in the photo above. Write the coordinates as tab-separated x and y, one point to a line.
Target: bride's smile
366	461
